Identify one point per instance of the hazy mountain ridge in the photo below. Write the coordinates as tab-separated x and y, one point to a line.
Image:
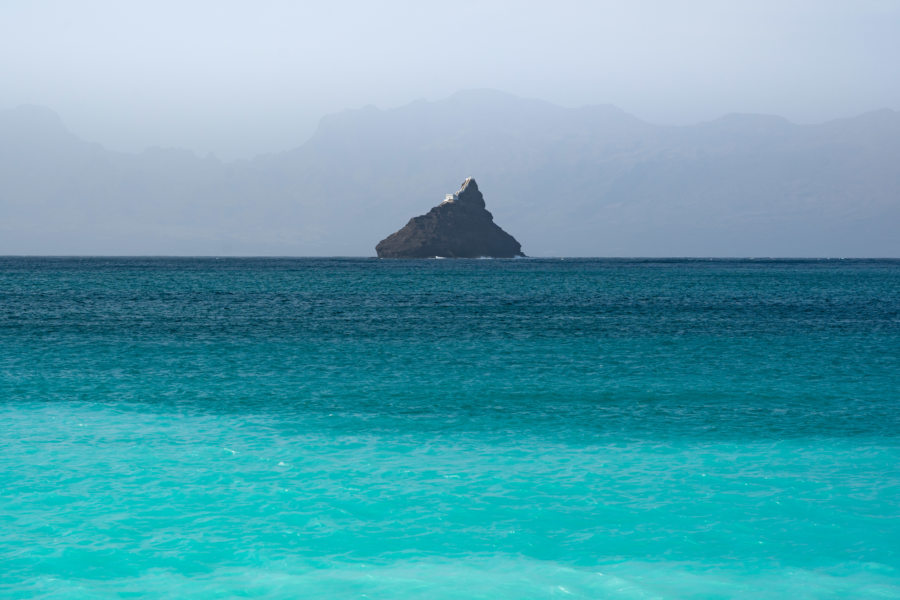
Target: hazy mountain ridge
587	181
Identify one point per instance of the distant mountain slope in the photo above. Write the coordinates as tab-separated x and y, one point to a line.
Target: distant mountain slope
590	181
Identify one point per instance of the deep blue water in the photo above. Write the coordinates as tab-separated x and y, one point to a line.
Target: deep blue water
349	428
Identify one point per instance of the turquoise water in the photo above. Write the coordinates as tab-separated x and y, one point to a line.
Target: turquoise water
449	429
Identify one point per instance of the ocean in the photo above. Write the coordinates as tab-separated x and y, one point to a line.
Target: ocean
528	428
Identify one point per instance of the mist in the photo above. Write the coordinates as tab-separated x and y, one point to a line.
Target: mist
237	79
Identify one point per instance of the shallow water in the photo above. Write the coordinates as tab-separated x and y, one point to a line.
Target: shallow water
449	429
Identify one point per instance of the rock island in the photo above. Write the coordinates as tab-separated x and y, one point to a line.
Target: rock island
459	227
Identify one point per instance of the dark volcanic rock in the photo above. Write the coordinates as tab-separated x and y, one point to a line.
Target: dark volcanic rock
459	227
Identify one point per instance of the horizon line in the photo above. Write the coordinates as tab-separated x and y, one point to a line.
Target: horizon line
370	257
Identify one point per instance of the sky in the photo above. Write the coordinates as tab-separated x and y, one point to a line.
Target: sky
241	78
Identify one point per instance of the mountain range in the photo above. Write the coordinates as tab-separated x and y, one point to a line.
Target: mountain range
591	181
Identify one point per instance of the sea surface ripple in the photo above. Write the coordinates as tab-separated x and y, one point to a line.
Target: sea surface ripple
362	428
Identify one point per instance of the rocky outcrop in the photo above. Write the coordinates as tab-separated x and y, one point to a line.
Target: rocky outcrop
459	227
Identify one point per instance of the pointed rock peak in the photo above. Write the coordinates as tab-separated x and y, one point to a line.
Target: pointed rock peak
467	193
460	227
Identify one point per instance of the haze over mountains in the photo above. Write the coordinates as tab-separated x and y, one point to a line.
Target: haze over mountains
592	181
